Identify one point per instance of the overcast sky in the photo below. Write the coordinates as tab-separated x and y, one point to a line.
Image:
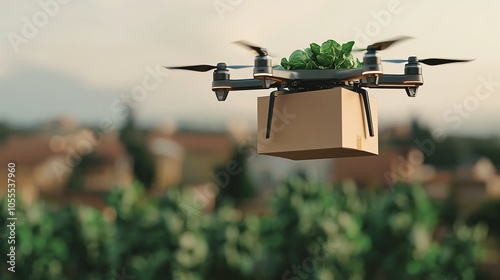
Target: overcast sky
81	57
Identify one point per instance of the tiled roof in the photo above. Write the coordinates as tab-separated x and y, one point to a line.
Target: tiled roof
26	150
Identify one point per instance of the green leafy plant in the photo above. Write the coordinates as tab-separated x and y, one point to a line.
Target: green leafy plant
330	55
313	231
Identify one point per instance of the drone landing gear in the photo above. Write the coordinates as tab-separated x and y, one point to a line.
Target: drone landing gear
270	112
411	91
368	111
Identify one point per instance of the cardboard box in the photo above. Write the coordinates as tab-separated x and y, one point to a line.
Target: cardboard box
328	123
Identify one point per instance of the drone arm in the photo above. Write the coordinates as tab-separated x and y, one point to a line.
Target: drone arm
349	74
395	81
243	84
222	87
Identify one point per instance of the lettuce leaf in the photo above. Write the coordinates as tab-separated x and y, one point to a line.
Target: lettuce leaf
298	60
330	55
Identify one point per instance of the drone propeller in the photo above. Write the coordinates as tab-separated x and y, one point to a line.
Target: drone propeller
379	46
430	61
259	50
205	67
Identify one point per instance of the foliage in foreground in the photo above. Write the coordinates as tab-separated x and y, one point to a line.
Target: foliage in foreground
314	231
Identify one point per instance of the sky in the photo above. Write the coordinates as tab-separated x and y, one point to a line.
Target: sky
87	59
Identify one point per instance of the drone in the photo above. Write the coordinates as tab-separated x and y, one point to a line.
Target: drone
369	75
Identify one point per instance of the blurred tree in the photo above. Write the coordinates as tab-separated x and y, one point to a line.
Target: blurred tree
314	232
54	242
5	132
442	155
76	179
449	209
143	161
241	247
138	216
487	213
419	131
488	147
384	235
232	180
454	150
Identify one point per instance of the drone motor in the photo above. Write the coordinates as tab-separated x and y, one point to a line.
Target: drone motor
372	66
221	74
263	69
412	68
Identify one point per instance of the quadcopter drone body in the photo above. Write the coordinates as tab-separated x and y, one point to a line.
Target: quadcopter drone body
369	75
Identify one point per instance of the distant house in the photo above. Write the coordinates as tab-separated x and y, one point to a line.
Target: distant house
108	165
189	157
169	158
33	156
472	182
485	171
46	164
384	170
439	186
476	181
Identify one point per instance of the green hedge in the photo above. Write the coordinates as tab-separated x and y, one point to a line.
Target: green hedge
313	231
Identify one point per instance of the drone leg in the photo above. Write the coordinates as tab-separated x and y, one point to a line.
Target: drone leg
368	111
270	112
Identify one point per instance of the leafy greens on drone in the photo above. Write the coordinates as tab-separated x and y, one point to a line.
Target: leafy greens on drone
330	55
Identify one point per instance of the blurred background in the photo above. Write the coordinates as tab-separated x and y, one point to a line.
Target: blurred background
125	169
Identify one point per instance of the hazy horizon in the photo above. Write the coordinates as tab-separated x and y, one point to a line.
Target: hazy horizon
89	54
